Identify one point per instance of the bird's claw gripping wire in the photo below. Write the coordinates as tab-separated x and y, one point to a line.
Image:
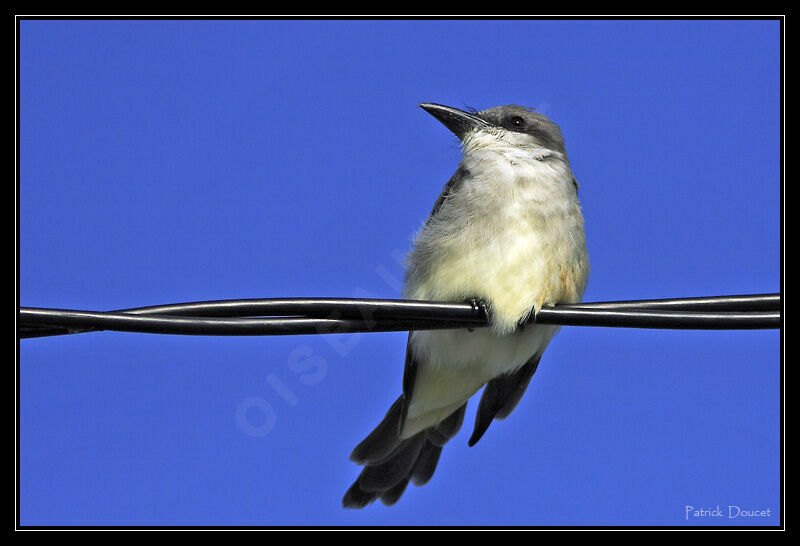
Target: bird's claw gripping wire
482	308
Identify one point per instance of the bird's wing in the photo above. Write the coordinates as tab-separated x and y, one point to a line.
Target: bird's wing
411	365
451	186
501	395
409	378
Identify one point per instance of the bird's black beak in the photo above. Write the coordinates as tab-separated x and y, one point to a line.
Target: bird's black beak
456	120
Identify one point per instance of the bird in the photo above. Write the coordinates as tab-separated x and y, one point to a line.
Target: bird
507	235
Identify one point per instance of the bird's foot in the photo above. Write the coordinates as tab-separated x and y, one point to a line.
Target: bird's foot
482	307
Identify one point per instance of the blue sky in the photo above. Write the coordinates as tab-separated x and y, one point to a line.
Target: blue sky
172	161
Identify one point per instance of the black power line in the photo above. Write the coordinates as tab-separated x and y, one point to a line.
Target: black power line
291	316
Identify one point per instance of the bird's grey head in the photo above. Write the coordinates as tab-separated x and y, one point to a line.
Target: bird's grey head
518	125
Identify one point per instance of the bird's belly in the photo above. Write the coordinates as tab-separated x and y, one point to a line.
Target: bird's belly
455	364
515	257
480	353
516	270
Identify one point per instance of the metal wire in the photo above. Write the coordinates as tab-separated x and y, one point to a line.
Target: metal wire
293	316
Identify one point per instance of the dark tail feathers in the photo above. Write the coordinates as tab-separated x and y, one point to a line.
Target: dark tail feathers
500	396
390	463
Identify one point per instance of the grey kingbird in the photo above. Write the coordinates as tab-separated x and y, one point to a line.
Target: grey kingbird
507	234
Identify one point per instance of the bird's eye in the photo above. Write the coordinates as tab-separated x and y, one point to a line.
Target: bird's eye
517	122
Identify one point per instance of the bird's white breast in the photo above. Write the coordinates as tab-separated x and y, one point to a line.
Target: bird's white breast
512	234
